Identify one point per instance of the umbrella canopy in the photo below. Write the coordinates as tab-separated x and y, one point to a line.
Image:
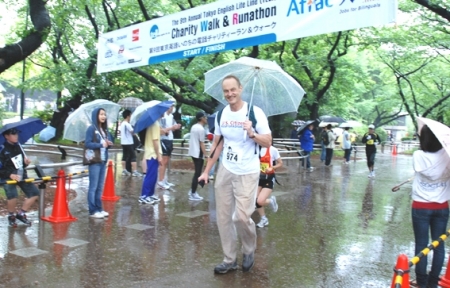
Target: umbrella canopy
47	134
441	131
306	124
141	109
336	119
297	123
27	127
346	125
324	124
264	84
151	115
77	123
130	102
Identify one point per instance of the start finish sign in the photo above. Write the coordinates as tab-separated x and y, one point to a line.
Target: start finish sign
221	26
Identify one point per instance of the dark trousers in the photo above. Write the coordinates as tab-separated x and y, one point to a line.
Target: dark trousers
329	155
198	166
347	154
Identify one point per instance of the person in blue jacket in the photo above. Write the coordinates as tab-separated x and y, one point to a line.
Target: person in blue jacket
97	138
307	144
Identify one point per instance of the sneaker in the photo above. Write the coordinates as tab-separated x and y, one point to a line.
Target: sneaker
23	218
211	177
195	197
223	267
104	213
370	174
136	174
263	223
162	185
154	198
169	184
373	174
248	262
125	173
145	200
12	220
273	204
97	215
310	169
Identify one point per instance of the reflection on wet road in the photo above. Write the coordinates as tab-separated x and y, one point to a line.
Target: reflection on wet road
334	228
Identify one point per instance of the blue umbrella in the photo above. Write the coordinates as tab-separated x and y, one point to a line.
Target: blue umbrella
48	133
27	127
151	115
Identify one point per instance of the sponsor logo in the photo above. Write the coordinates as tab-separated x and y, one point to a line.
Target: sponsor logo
308	6
108	54
121	63
135	36
122	37
121	49
134	60
154	31
109	40
135	48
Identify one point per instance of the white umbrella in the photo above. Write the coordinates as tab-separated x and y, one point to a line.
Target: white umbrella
264	83
78	121
441	131
141	109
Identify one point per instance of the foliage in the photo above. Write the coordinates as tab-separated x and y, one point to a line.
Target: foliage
45	115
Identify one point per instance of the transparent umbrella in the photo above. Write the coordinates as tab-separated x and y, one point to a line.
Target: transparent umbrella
264	84
130	102
77	122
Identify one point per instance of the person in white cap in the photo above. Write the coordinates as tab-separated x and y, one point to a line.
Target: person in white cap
371	139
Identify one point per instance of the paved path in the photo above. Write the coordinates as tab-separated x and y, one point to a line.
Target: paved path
334	228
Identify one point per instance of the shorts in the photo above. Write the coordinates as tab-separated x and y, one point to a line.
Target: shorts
128	153
266	181
29	189
167	147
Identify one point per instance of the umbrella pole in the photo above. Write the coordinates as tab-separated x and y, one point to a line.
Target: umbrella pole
249	105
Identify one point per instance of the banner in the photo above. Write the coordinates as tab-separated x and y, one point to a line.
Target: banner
222	26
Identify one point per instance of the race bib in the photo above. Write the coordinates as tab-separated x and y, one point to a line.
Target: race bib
234	155
263	167
17	161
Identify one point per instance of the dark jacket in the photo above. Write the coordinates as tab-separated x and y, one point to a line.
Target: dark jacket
93	138
306	141
7	167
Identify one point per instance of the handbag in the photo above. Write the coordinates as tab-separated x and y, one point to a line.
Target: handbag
91	156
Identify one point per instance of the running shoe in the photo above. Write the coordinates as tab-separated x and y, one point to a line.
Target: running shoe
223	267
136	174
162	185
104	213
97	215
154	198
125	173
12	220
195	197
169	184
273	204
263	223
145	200
23	218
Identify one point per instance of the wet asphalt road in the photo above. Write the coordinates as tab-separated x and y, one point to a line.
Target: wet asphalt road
335	227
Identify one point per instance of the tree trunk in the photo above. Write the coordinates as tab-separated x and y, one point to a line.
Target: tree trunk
12	54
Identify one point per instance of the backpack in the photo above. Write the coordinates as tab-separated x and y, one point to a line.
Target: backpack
325	139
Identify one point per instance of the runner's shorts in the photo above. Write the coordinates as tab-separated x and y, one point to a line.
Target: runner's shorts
167	147
29	189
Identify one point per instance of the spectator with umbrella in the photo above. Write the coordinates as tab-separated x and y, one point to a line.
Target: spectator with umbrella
127	142
13	161
328	141
307	142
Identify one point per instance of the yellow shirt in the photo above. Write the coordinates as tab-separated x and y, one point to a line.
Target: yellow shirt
153	133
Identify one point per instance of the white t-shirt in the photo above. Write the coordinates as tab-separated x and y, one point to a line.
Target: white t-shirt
126	133
346	141
165	122
238	155
197	135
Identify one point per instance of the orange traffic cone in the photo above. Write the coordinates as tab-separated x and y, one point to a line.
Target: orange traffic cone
401	269
60	212
394	150
109	193
445	281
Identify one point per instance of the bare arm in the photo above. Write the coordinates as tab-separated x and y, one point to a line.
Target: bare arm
213	159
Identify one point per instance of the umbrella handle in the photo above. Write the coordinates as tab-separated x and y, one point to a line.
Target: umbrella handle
396	188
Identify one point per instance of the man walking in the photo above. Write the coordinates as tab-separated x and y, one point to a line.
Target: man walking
371	139
168	125
12	167
237	178
329	144
126	140
197	151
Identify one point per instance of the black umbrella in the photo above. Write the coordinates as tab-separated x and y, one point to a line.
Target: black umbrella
306	124
27	128
336	119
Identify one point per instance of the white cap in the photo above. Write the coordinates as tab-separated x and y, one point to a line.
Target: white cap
371	126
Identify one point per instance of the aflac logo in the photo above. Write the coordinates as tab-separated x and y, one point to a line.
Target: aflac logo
308	6
154	31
